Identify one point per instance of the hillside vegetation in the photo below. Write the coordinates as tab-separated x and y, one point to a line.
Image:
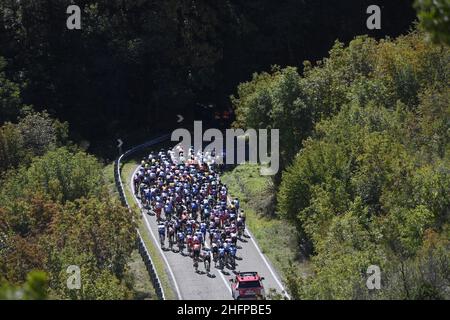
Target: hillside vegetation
365	137
55	211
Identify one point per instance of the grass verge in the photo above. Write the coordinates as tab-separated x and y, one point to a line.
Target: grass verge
276	237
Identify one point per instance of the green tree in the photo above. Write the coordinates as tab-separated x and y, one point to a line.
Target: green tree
97	235
12	149
35	288
60	174
10	99
370	185
434	16
42	133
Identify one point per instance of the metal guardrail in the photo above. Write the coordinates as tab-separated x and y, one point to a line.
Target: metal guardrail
140	242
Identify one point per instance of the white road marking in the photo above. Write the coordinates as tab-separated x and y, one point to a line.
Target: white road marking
283	290
177	289
227	284
268	265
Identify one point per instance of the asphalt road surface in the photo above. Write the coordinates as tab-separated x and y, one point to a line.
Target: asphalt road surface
189	285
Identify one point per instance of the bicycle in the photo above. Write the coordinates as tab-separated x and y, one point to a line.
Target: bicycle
181	246
232	261
162	239
171	236
221	262
241	229
207	263
195	264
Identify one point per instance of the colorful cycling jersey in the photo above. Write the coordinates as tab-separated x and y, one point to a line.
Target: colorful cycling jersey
168	208
187	190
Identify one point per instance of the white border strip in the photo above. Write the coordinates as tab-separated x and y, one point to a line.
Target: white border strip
283	290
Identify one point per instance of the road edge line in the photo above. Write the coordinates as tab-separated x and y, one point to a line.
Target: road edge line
169	268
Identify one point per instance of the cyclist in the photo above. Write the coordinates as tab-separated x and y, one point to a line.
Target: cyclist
221	257
242	215
180	238
233	236
158	208
236	204
207	260
199	236
240	227
215	253
171	234
162	233
189	242
136	183
203	231
168	210
196	251
232	256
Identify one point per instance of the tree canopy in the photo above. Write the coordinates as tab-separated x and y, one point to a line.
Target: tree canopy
56	213
366	156
135	64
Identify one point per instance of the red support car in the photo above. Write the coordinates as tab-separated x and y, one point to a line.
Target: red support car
247	286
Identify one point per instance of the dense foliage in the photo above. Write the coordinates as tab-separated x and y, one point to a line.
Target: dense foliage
35	288
135	64
56	212
434	16
364	133
33	135
367	142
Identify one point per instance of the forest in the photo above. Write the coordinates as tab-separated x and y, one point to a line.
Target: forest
135	65
366	178
364	119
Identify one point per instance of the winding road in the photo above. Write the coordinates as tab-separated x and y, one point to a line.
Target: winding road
189	285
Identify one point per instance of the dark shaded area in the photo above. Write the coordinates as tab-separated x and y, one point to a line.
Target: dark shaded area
135	65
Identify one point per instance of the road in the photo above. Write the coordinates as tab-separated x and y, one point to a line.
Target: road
189	285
